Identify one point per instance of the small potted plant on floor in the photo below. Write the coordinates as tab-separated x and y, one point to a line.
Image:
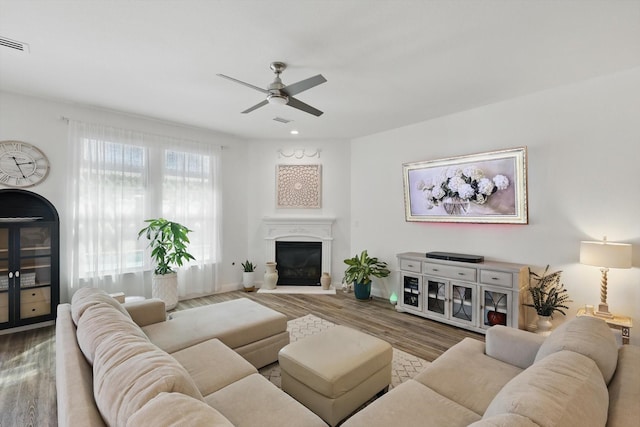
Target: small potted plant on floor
360	270
248	275
548	295
168	241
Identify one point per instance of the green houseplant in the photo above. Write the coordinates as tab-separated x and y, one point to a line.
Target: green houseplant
248	275
168	241
360	270
548	295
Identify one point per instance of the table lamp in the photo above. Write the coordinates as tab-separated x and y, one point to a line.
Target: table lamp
605	255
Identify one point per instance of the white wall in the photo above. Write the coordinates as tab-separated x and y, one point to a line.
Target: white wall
260	192
583	156
38	122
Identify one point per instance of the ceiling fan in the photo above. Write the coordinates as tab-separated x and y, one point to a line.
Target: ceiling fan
279	93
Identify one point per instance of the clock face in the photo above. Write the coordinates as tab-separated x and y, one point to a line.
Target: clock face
21	164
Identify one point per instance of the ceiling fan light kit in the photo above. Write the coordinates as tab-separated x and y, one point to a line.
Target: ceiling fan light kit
281	94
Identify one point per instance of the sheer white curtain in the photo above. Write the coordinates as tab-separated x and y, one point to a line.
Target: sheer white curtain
117	179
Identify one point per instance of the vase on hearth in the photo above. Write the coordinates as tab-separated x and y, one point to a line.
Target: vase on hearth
325	281
271	276
455	206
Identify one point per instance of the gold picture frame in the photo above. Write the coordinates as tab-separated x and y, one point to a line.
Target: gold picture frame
479	188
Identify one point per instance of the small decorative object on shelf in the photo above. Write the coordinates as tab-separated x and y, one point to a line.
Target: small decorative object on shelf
361	268
496	317
548	295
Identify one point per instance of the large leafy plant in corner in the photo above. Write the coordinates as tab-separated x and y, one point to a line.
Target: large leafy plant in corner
168	241
362	267
548	295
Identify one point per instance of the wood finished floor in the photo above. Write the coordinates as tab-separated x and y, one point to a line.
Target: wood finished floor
27	359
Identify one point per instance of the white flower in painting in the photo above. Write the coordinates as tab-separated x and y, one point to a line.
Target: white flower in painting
437	193
480	199
421	185
466	191
473	172
451	173
455	183
486	186
501	181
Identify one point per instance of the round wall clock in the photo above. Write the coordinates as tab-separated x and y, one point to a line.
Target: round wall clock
22	164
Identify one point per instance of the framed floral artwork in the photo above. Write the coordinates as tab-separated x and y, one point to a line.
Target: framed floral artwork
486	188
299	186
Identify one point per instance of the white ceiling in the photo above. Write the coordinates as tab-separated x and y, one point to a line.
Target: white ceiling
388	63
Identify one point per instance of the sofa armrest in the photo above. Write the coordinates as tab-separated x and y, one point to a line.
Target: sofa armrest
513	346
147	312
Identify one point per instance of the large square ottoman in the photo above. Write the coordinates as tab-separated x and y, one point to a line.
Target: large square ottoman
336	371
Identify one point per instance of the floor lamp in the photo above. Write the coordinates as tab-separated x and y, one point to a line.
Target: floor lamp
605	255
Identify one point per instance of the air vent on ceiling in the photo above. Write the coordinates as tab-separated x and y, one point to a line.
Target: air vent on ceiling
281	120
13	44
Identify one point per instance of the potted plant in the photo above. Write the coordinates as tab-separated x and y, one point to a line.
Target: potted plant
360	270
248	275
548	295
168	242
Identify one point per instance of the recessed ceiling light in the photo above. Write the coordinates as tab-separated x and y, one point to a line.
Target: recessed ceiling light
294	132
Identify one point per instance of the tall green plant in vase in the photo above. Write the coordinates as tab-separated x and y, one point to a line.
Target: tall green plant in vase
168	241
360	270
548	295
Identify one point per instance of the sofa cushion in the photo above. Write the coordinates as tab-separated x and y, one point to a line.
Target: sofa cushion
100	321
84	298
464	374
505	420
588	336
129	371
213	365
412	404
563	389
624	389
270	406
177	410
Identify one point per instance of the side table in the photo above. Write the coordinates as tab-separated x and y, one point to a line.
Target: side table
621	323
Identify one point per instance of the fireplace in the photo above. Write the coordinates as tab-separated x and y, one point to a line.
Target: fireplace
308	241
299	263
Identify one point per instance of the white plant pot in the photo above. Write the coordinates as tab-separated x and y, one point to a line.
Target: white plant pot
248	279
544	325
165	287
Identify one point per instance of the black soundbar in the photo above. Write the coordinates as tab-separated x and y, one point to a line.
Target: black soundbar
450	256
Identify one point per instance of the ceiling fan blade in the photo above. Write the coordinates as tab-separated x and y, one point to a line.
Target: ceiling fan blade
255	107
302	85
243	83
296	103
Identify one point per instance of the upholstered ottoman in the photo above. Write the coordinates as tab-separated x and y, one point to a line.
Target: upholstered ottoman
334	372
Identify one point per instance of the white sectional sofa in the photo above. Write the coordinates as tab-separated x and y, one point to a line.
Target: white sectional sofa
576	377
126	365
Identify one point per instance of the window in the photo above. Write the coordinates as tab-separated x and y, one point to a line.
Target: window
118	179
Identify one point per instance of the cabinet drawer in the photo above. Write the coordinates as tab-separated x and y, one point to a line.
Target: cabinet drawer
4	300
450	271
410	265
35	309
498	278
35	295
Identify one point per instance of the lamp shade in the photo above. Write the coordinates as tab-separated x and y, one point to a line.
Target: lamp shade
605	254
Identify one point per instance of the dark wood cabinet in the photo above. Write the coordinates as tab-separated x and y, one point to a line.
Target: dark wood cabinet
29	260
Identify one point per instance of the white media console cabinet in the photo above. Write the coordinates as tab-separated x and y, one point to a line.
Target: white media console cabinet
473	296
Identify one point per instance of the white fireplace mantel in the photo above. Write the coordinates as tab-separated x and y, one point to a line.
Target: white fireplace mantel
299	229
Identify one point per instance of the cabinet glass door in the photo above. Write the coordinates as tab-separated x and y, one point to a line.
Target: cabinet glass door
436	297
463	303
496	307
412	291
35	271
4	275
